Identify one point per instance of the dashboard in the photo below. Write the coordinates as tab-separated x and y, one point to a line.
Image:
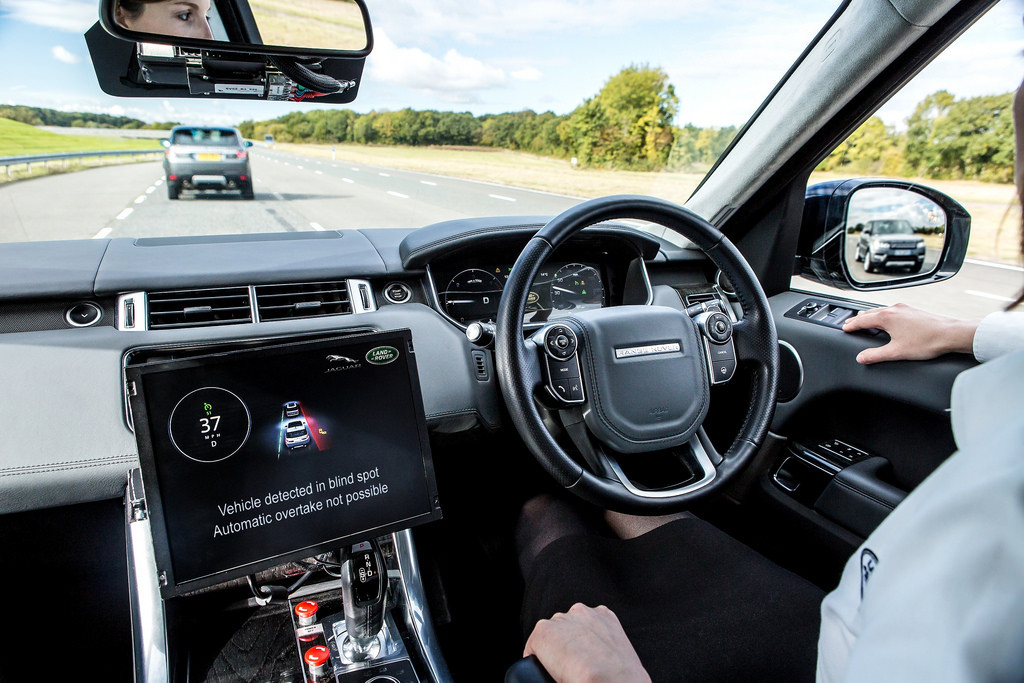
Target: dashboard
267	287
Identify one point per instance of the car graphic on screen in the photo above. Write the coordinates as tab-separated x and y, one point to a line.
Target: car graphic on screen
291	409
296	434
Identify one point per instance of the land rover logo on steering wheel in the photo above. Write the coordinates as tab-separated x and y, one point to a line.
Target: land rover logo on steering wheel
381	355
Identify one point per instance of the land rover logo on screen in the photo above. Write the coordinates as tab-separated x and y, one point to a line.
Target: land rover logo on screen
381	355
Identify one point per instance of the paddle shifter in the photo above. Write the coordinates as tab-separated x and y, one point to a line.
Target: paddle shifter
364	583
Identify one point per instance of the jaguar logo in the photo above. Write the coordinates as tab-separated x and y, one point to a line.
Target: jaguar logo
340	359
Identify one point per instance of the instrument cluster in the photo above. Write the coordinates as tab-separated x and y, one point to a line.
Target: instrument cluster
561	288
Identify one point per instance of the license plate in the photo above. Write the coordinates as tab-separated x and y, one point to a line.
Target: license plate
208	157
902	252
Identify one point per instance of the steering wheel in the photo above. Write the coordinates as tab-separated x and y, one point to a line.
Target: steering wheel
629	381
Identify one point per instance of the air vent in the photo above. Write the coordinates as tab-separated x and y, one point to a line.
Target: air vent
199	308
302	300
700	298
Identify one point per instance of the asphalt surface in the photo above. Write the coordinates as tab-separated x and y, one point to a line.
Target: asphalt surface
298	193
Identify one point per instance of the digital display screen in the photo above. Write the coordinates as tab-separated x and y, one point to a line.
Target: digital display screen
253	457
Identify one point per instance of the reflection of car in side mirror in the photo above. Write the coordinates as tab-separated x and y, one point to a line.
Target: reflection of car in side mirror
874	234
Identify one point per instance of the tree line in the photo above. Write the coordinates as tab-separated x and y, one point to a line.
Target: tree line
39	116
945	138
627	124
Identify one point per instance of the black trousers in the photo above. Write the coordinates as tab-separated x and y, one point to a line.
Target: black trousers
696	604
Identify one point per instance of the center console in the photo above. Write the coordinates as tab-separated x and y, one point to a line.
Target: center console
268	522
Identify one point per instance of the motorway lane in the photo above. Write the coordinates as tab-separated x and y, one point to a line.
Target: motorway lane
71	205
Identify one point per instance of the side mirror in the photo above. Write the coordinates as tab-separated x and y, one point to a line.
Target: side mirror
868	234
165	142
248	143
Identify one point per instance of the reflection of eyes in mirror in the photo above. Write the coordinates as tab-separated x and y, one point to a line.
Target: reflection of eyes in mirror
187	18
892	233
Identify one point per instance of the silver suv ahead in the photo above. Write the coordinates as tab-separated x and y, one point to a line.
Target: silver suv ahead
207	158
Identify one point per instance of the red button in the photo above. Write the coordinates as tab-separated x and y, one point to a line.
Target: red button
306	609
317	655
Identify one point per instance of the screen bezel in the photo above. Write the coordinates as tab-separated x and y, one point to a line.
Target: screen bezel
204	354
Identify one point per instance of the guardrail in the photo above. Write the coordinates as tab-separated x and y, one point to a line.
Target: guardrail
46	159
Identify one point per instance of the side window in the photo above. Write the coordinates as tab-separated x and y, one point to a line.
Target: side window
950	128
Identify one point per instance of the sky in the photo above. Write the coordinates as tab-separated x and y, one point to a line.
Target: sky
493	56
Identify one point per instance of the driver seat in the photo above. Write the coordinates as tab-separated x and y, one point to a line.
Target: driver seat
695	603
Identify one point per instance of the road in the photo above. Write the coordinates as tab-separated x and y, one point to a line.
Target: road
297	193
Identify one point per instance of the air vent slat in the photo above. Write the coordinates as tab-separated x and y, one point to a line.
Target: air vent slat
199	308
302	300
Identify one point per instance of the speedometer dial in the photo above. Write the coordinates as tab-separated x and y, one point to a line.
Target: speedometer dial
472	295
576	286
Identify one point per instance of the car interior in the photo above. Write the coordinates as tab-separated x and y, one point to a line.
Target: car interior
301	456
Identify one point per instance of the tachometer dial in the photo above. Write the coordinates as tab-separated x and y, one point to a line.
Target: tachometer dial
472	295
576	286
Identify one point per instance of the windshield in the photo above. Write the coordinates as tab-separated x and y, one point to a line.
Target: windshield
464	110
891	228
205	136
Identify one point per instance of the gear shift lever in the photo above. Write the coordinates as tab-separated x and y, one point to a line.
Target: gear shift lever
364	586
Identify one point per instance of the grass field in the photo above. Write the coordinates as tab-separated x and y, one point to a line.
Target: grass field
995	211
20	139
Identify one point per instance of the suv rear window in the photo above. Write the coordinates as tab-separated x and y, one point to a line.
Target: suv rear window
205	136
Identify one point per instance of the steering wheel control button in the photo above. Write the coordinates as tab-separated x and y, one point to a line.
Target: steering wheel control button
83	314
305	612
563	369
722	371
717	327
398	293
560	342
721	352
569	390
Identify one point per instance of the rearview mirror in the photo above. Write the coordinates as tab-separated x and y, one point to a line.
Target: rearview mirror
281	50
327	28
878	234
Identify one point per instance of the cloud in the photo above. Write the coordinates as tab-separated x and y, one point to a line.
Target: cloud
474	22
452	78
65	15
526	74
62	54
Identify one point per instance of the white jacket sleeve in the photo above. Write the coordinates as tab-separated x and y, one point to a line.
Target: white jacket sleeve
998	334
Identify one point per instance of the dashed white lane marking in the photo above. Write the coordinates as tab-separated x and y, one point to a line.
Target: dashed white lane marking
316	226
124	214
398	194
278	197
300	167
141	198
347	180
501	197
319	172
159	182
102	233
384	175
1003	266
986	295
427	182
354	168
150	189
